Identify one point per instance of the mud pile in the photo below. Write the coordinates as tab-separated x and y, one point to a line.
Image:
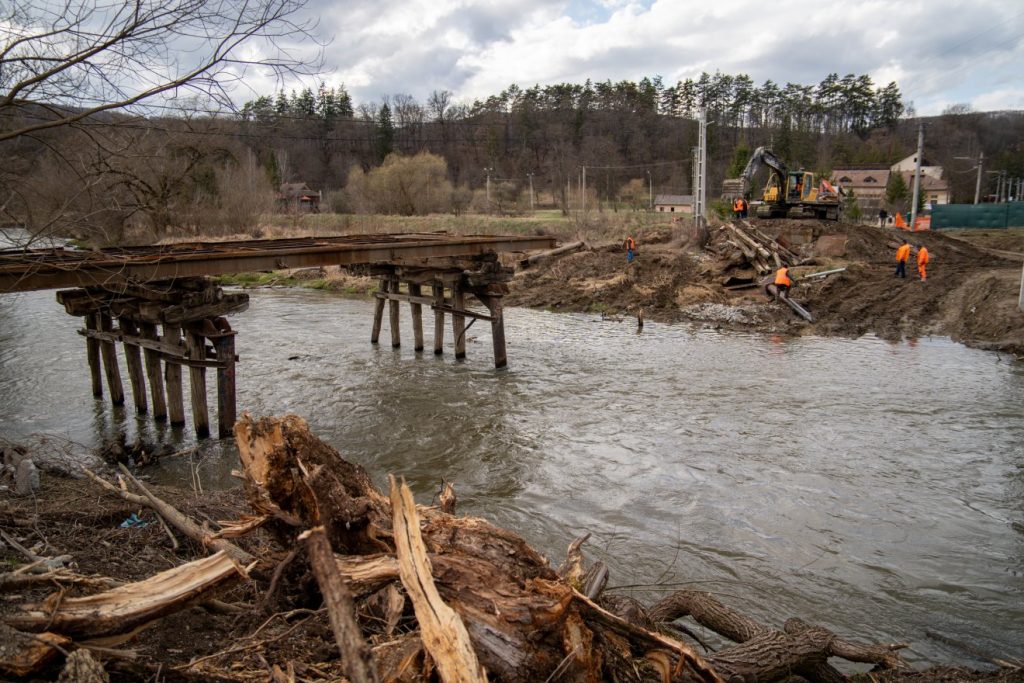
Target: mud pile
970	294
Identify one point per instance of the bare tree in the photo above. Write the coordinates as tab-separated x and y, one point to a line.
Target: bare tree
62	61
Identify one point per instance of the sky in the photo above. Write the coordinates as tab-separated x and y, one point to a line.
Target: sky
939	52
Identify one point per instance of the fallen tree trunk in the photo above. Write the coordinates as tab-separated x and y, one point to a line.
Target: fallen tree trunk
553	253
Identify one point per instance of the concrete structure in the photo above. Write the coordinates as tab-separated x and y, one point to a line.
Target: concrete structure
673	203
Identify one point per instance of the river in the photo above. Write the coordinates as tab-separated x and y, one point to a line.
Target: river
876	488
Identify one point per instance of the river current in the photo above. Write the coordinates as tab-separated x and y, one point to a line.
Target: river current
876	488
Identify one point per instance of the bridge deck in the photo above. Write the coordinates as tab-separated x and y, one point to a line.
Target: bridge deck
24	270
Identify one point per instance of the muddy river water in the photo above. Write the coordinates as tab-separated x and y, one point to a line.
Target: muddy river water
875	488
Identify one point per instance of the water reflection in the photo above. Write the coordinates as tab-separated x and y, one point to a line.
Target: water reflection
871	486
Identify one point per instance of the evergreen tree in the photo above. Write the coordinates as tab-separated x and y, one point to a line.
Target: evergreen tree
385	133
896	190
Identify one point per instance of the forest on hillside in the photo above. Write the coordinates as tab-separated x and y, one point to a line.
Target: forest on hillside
115	177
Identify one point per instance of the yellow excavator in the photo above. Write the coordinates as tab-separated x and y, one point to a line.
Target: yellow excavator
788	194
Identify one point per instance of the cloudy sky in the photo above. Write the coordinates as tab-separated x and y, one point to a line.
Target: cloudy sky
940	52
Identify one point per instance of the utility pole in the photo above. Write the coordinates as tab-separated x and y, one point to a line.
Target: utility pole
977	186
917	176
531	191
650	192
700	190
489	171
583	192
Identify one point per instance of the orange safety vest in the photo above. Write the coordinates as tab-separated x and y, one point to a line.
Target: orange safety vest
737	205
630	244
922	256
782	277
903	253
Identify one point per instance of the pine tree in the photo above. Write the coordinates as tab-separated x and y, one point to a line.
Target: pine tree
896	190
385	133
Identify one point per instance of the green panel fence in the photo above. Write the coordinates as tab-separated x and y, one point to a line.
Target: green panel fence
1004	215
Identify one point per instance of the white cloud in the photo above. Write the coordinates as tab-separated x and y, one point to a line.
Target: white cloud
476	48
1009	98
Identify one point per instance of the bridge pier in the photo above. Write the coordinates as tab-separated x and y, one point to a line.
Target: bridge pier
481	276
195	335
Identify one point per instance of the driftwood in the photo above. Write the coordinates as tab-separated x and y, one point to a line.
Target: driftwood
416	594
129	607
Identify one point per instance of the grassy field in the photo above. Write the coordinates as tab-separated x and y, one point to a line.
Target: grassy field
594	226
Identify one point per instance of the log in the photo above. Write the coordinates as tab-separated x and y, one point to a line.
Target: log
356	656
444	634
22	654
125	609
226	403
459	322
174	517
546	255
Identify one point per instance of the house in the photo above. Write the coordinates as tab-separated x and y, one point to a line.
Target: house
298	198
673	203
868	184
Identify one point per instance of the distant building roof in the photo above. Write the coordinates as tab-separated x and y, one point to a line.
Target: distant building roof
296	190
673	199
848	177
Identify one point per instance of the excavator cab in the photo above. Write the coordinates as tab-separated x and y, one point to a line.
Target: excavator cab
801	187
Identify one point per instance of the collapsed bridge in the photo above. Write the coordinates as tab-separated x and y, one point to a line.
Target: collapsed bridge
170	315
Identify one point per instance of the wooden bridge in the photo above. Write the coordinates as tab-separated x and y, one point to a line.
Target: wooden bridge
170	315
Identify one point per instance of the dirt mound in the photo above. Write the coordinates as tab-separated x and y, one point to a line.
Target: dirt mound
970	293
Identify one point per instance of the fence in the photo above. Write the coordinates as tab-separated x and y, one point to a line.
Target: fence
1003	215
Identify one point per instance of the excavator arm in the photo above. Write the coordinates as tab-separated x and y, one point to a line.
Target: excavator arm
761	157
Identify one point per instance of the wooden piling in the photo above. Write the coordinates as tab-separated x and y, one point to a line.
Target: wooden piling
438	320
133	359
393	309
459	322
172	374
92	351
497	330
156	381
378	312
226	409
195	345
109	353
417	317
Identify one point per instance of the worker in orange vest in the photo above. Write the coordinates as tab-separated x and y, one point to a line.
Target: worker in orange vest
630	245
902	256
922	261
737	207
782	281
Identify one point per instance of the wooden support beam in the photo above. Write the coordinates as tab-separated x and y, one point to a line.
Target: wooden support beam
396	333
226	405
387	296
417	316
378	310
133	359
109	353
459	321
156	381
92	352
196	346
438	319
172	374
494	304
465	313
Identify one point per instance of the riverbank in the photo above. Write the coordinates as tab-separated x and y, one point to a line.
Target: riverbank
970	294
267	622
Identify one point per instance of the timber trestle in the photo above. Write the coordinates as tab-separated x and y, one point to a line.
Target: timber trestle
442	287
162	327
